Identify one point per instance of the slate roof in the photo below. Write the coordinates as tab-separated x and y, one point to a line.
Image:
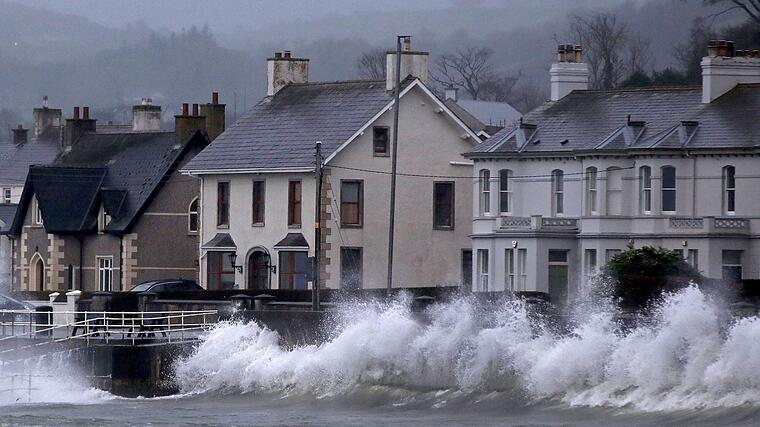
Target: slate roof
280	131
15	160
121	172
293	240
220	241
471	121
673	118
491	113
7	211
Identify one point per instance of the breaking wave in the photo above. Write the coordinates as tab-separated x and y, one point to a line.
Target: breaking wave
687	356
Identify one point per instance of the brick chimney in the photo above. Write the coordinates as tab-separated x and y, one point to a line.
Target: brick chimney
215	119
77	126
283	69
186	124
569	73
46	121
414	63
20	135
724	67
146	117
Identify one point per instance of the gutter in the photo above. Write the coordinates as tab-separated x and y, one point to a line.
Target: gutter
196	172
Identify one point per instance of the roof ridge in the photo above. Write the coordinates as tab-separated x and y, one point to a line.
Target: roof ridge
336	82
639	89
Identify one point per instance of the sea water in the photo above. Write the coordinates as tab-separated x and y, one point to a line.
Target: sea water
467	363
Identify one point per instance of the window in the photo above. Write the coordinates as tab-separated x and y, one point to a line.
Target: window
294	203
732	265
611	253
6	195
522	268
443	205
614	191
558	192
350	268
351	203
692	258
668	189
103	219
193	217
590	262
485	191
505	191
645	182
223	204
105	273
591	191
729	190
37	219
380	141
294	266
220	272
509	269
483	269
257	202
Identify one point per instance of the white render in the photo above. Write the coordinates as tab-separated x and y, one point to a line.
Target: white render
567	77
721	74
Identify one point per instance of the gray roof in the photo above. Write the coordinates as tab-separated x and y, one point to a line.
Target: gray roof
632	119
7	212
280	131
471	121
15	160
220	241
293	240
490	112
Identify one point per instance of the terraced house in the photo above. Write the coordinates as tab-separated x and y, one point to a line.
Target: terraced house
112	210
591	172
259	195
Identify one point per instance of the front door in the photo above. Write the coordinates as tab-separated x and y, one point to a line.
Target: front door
258	270
558	276
467	270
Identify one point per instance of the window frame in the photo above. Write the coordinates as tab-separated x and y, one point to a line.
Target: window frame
592	190
591	261
193	212
295	203
724	266
668	190
645	189
484	192
452	202
505	195
285	276
218	259
482	269
522	268
7	195
510	270
223	204
359	204
387	151
258	204
343	251
729	190
102	270
558	192
614	174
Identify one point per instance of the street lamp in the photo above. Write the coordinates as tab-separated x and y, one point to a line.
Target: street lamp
233	258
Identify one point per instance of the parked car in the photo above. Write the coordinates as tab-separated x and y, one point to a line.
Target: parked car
167	285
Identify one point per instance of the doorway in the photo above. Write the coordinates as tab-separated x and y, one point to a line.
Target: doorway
558	276
37	282
258	270
466	269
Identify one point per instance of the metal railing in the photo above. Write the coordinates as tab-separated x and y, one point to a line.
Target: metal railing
169	326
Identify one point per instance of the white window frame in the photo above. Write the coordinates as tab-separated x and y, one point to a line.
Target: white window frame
645	177
591	262
105	273
510	272
665	190
197	213
613	174
522	268
483	265
692	258
37	213
7	195
505	176
740	265
485	191
729	190
558	192
591	190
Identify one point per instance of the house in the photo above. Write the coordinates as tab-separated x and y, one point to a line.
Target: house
484	117
258	188
591	172
112	210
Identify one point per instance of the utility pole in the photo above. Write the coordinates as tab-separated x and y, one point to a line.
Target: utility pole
316	280
394	161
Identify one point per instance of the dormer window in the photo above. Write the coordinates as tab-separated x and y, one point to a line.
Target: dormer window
37	213
380	141
103	220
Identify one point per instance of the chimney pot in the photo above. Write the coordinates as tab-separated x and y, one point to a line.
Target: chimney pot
569	73
286	54
195	109
406	44
214	98
185	109
76	113
86	113
44	101
278	55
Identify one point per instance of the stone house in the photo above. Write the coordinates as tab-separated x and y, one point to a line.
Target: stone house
112	210
591	172
258	184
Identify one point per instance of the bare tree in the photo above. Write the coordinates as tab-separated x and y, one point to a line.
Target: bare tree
639	54
371	65
468	69
499	88
603	39
750	7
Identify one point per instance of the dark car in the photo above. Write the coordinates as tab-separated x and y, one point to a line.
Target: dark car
167	285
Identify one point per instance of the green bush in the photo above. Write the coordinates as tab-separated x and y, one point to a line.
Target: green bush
640	276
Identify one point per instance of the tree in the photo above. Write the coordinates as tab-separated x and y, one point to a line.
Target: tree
603	39
471	70
689	55
750	7
640	276
371	65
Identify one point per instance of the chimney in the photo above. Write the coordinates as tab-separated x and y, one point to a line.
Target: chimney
146	117
724	67
46	121
186	124
215	119
20	135
77	126
283	69
569	73
450	93
413	63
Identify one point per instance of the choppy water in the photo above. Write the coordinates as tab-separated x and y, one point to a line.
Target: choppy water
473	364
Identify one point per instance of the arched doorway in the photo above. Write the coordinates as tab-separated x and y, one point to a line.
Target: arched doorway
37	276
258	269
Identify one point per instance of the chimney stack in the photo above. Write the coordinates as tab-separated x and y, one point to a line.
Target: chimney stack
413	63
20	135
46	121
146	117
186	124
569	73
283	69
724	67
215	118
77	126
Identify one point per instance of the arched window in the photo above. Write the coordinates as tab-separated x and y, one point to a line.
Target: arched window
193	217
669	189
614	191
505	191
558	192
485	191
645	186
591	191
729	190
37	273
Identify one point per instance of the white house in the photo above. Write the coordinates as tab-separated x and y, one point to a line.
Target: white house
591	172
258	187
